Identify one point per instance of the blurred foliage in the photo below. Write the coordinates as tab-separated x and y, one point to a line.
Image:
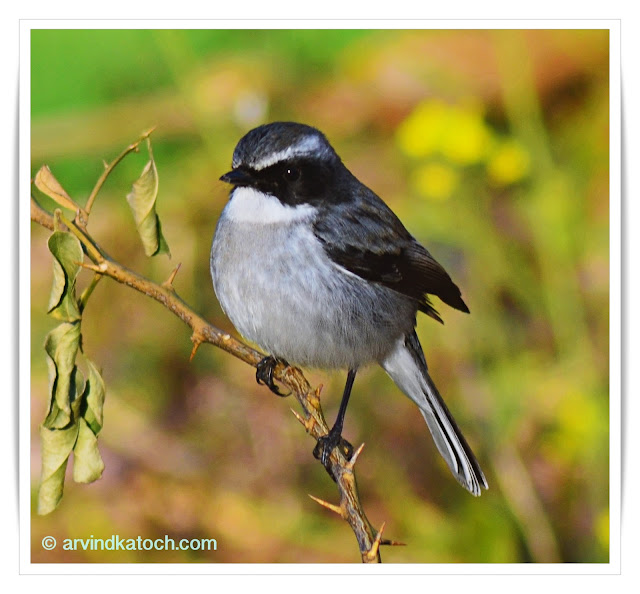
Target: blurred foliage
492	147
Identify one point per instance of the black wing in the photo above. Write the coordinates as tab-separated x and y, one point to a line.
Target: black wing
367	238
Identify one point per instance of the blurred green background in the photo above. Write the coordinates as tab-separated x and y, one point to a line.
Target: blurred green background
492	147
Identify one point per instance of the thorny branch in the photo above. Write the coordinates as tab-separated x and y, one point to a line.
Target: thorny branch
312	418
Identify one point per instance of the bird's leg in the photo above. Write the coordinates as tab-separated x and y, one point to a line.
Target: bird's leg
264	373
328	442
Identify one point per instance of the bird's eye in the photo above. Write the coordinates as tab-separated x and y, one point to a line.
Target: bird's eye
291	174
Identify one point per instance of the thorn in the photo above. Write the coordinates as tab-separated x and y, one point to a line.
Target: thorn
197	341
333	508
168	284
372	553
105	164
351	463
298	416
306	423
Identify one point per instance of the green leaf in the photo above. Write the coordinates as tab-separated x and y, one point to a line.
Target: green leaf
57	444
61	346
87	462
94	394
67	254
142	200
49	185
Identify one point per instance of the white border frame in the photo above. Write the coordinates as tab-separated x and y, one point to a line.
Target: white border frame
613	567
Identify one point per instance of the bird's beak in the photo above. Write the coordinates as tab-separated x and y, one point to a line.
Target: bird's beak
237	177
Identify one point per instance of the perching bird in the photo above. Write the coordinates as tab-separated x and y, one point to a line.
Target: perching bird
312	266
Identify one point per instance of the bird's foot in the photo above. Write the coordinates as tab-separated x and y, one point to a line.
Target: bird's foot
264	373
327	443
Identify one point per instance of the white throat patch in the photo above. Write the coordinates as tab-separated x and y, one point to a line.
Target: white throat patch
247	205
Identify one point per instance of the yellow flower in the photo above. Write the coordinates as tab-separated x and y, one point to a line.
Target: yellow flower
467	139
457	133
435	181
419	135
509	163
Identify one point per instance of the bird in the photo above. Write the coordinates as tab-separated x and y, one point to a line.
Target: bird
312	266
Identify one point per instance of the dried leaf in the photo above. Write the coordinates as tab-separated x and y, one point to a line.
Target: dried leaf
57	444
87	462
67	255
142	200
94	394
61	346
49	185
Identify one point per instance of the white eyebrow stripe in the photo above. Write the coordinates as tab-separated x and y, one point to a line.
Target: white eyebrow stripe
309	145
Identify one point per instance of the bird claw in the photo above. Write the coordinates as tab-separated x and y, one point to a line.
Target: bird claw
264	374
327	443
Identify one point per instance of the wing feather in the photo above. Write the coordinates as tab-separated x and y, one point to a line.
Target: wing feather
367	238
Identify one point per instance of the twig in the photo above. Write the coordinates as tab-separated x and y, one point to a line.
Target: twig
369	539
109	168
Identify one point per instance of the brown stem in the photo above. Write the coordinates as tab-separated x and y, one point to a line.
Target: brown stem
349	508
